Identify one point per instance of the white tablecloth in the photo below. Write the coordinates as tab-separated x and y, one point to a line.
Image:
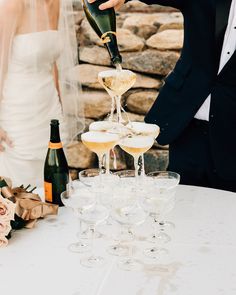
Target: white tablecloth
201	260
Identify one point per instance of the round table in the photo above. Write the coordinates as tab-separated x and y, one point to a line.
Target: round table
201	260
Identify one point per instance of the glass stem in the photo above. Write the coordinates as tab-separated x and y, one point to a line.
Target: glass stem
112	109
119	238
130	253
92	230
118	108
115	159
136	165
107	160
156	226
79	223
100	162
79	229
142	166
123	231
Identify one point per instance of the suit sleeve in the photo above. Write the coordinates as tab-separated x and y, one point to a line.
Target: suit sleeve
173	3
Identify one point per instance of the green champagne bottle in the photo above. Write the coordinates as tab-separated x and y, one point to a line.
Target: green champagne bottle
56	171
104	24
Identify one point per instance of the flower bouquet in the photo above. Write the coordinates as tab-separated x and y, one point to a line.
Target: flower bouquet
20	207
7	213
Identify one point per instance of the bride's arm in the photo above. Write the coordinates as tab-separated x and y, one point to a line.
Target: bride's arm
56	79
10	11
4	137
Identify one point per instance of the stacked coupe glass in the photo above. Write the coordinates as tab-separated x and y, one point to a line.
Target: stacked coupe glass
119	207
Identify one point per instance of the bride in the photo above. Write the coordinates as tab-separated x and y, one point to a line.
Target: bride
37	50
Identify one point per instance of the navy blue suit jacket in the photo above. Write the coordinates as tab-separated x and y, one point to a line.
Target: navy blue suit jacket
195	77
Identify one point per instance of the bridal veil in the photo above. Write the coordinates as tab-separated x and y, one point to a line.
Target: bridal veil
36	16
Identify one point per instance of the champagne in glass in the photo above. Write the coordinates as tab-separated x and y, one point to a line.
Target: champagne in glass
136	146
103	126
110	127
144	129
116	83
100	143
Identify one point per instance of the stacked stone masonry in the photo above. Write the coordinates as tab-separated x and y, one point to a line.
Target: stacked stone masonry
150	39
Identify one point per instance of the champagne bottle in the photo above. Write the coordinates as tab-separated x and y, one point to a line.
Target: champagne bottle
104	24
56	171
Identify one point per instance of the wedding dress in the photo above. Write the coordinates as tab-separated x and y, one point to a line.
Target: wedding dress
29	101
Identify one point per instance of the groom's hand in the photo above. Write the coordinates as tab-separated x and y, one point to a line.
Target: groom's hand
109	4
4	137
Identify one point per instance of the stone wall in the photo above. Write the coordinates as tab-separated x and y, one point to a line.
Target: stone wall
150	39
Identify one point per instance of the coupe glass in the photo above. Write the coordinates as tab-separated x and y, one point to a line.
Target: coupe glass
116	83
103	185
90	177
144	129
100	143
127	178
136	146
92	217
163	224
98	213
157	200
78	199
128	217
96	177
127	213
110	127
126	174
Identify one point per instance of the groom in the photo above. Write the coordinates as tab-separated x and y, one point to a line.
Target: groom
196	108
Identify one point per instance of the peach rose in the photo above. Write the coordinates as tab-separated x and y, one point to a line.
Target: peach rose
5	228
3	241
7	209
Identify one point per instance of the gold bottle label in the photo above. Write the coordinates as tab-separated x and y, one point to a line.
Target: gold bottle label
55	146
48	191
105	38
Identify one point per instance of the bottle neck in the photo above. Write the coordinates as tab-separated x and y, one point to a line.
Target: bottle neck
55	134
113	50
116	60
103	23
